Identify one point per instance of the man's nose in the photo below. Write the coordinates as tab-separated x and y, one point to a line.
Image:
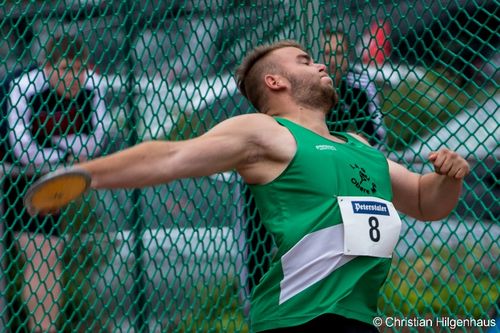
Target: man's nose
322	67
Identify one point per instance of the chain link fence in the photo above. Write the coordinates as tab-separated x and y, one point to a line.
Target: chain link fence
179	257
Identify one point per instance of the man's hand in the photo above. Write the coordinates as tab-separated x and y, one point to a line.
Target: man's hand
449	163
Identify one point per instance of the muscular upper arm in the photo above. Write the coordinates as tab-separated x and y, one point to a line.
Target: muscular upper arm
220	149
405	188
234	144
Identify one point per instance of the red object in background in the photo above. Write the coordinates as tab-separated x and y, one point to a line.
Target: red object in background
379	45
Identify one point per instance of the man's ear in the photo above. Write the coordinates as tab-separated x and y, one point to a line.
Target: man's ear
275	82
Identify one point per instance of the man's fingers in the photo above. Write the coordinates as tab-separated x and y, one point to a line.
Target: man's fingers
437	160
449	163
463	170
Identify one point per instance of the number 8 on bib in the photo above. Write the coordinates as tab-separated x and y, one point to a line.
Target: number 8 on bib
371	226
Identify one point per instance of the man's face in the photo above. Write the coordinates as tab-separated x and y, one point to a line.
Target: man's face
67	77
336	53
310	83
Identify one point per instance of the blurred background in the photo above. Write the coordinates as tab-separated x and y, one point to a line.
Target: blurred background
173	258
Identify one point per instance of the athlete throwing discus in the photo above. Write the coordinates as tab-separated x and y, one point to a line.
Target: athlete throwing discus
330	200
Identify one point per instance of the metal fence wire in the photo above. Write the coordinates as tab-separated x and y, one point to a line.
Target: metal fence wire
81	79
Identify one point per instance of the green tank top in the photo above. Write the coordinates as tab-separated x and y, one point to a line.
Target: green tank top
310	275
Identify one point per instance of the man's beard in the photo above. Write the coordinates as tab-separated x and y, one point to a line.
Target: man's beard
315	96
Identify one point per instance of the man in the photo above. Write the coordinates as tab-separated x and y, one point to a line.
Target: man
358	100
310	186
357	109
357	105
56	114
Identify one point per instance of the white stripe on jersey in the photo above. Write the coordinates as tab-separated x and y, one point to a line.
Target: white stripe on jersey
312	259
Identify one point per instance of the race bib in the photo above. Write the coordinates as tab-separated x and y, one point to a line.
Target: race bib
371	226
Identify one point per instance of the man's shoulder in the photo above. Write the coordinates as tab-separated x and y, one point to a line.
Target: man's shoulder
253	127
27	73
252	120
29	77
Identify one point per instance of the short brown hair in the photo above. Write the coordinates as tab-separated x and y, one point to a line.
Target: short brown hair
66	47
252	68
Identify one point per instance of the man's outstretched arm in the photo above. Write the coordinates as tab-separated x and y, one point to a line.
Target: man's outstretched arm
223	148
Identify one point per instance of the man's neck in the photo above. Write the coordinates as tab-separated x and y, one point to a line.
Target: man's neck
314	120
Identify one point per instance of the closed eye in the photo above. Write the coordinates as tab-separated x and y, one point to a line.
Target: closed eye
304	59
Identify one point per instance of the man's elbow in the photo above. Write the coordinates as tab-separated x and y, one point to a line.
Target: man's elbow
436	214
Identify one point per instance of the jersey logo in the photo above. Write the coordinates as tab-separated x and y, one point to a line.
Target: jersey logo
325	147
362	180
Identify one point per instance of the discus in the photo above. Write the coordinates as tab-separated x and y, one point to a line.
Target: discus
55	190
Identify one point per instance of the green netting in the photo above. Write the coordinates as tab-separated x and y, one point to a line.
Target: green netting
183	257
